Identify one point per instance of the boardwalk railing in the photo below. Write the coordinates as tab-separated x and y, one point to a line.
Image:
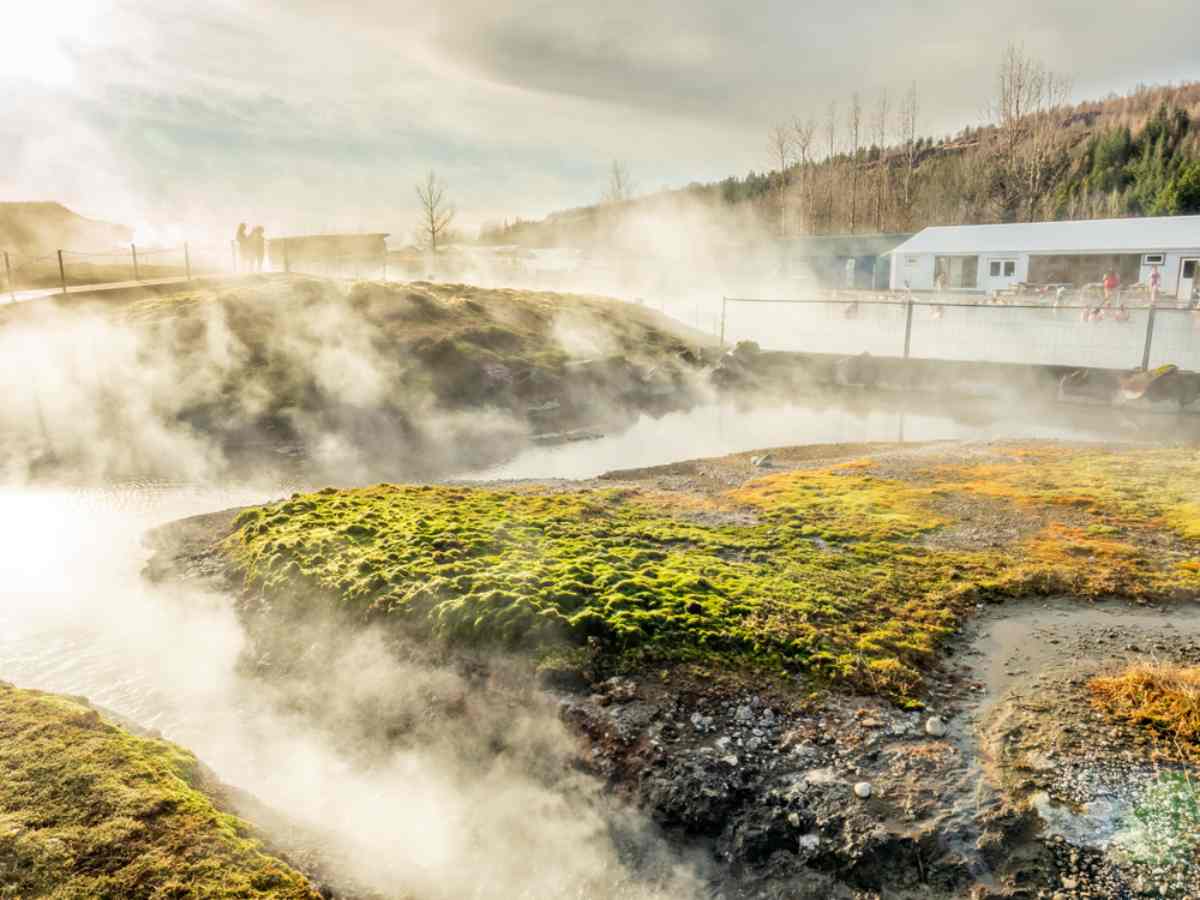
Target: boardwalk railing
969	330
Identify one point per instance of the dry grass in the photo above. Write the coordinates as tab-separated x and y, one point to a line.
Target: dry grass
1160	696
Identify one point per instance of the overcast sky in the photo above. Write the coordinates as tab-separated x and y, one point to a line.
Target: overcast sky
303	114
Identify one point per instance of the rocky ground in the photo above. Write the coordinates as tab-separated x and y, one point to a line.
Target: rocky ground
1000	779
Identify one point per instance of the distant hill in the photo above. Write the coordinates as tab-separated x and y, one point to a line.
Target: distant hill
39	228
1131	155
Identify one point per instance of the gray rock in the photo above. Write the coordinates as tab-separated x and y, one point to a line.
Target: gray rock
935	727
862	790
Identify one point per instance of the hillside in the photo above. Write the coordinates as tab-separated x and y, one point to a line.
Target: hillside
1131	155
41	228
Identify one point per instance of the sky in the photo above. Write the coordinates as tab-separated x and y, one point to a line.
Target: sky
307	115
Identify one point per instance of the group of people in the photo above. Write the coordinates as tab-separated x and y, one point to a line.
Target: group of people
1111	283
251	248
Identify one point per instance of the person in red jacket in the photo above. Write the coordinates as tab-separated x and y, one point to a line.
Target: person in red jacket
1112	284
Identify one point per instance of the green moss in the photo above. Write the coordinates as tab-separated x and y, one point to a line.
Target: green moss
833	578
88	810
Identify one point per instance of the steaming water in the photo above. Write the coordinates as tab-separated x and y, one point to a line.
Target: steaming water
851	417
77	618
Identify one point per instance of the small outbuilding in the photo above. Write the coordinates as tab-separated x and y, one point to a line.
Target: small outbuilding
841	260
988	258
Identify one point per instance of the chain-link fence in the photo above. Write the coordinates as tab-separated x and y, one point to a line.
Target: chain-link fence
1115	337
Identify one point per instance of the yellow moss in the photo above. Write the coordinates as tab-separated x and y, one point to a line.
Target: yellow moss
826	571
89	810
838	503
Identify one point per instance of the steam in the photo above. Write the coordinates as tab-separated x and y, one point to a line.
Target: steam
149	393
475	797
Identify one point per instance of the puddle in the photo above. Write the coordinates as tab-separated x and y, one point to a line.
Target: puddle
1032	733
1014	644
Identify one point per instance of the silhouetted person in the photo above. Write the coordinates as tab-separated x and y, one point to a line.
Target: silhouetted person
243	248
258	245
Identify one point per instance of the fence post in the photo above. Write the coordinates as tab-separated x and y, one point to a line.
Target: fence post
724	300
136	274
908	326
187	262
1149	338
12	288
62	273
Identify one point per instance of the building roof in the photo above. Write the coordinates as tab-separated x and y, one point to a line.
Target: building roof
1092	236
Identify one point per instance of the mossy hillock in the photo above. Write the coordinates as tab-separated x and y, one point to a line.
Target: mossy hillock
90	810
850	573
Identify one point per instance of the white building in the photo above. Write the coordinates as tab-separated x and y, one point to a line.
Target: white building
987	258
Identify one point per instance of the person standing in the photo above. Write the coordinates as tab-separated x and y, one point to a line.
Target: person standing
258	243
1111	282
243	248
1155	284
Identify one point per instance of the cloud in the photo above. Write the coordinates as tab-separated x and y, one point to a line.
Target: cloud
319	113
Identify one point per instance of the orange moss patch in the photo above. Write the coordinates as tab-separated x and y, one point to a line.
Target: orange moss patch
1159	696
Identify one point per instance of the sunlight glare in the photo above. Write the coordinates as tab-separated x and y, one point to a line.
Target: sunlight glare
40	36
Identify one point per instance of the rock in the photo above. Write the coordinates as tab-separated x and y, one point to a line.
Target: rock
935	727
761	462
862	790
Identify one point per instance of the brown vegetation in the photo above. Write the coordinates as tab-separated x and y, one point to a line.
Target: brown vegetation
1160	696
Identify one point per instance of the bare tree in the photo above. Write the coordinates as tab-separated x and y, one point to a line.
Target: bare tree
620	184
831	137
436	212
780	145
802	138
880	125
909	113
854	129
1027	94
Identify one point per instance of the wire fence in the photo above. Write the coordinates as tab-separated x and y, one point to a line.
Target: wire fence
65	270
1083	331
1068	334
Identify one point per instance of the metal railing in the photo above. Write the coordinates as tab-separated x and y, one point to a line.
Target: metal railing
1068	334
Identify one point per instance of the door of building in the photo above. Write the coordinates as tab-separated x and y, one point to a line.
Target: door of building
1189	278
1001	274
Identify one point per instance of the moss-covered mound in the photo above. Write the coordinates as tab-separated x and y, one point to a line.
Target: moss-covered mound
382	376
88	810
851	572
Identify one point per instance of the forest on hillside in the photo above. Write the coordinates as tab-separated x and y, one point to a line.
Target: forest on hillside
864	166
